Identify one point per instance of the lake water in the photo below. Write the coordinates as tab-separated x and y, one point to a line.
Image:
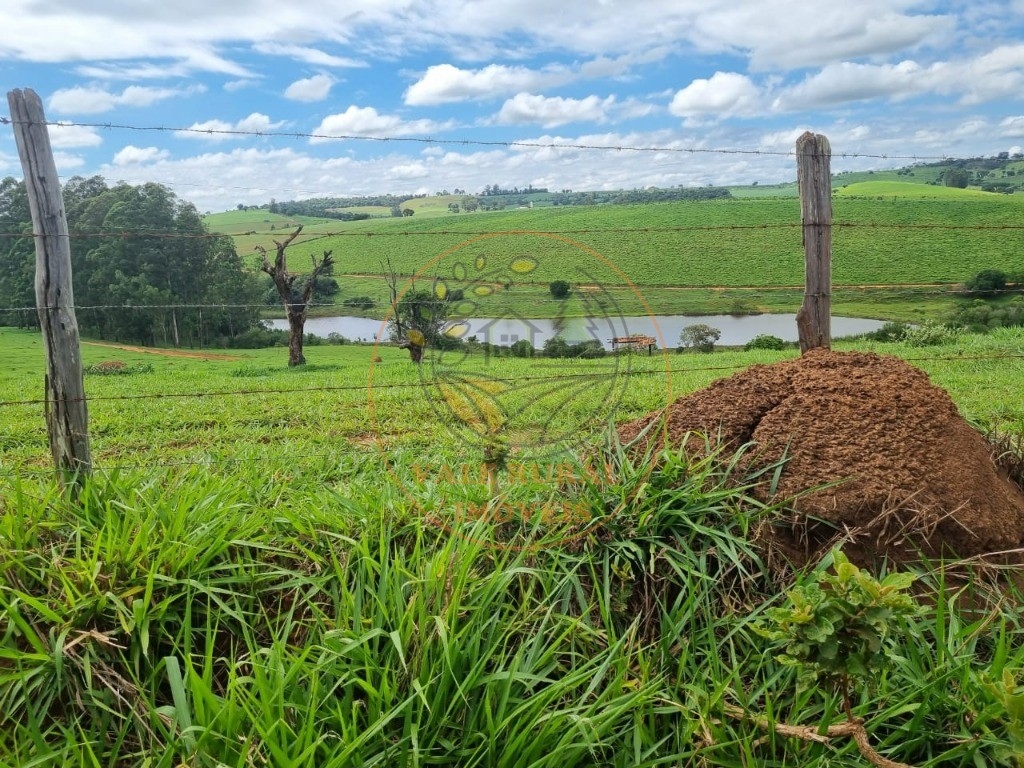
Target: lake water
736	330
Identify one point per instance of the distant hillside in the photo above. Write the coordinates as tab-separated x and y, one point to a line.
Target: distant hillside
1002	173
909	191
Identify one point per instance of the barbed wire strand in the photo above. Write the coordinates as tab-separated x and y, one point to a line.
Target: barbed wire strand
451	142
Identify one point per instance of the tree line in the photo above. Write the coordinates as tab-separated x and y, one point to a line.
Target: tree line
138	253
638	196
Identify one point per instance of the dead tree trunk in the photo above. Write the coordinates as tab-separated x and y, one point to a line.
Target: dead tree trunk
296	305
67	413
814	321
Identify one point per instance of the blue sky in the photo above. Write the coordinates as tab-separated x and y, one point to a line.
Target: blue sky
876	76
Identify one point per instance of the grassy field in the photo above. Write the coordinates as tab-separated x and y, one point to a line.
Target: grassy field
903	190
278	578
689	258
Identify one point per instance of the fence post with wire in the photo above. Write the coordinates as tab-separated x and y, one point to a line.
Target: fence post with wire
67	414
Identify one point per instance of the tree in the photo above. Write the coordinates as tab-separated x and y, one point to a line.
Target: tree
296	304
957	177
17	256
559	289
700	337
765	341
988	282
143	259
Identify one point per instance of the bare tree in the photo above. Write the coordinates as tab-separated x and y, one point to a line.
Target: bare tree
414	340
391	278
295	303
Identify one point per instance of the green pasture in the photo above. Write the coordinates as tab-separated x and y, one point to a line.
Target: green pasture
912	191
373	210
717	256
276	576
720	243
179	426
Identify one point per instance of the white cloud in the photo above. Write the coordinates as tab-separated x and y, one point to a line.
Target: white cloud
848	81
237	85
550	112
445	84
1012	127
221	130
315	88
409	171
81	100
724	94
194	34
998	74
66	161
307	55
73	136
366	121
778	34
132	155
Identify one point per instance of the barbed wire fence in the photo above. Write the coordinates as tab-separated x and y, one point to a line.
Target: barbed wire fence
48	403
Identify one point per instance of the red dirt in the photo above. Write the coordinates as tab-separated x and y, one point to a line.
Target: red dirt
912	476
164	352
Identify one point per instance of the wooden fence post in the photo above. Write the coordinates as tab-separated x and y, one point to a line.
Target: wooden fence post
67	415
814	177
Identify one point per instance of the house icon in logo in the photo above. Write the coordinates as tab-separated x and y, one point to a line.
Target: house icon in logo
506	331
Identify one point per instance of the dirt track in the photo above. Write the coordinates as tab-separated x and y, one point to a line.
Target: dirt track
164	352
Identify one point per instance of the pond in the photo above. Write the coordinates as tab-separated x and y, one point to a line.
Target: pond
736	329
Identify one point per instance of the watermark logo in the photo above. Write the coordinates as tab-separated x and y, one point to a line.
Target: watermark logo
519	347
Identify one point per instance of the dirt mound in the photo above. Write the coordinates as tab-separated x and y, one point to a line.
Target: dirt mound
906	473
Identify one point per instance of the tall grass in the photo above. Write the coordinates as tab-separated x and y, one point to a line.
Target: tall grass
168	619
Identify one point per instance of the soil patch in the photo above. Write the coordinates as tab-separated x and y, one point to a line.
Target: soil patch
906	474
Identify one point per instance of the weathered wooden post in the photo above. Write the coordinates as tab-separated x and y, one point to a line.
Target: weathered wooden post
814	177
67	414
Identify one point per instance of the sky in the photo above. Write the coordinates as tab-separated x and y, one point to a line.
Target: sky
897	78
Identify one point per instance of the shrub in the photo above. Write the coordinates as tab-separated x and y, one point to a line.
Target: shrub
559	347
765	341
930	334
359	302
889	332
559	289
980	316
700	337
742	307
117	368
522	348
988	282
256	338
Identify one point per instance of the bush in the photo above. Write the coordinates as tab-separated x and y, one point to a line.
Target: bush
765	341
117	368
522	348
699	337
930	334
988	282
980	316
889	332
559	347
560	289
256	338
363	303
